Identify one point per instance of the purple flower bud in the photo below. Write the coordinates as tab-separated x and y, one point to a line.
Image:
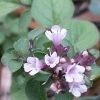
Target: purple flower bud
56	34
33	65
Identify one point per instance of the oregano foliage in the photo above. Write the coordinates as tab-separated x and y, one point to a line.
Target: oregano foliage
50	12
35	91
82	34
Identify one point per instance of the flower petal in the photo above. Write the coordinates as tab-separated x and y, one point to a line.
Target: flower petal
83	88
76	93
68	77
80	69
49	35
63	33
55	29
28	67
33	72
78	77
30	60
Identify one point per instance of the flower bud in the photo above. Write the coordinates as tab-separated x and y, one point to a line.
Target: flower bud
85	53
88	68
62	60
72	60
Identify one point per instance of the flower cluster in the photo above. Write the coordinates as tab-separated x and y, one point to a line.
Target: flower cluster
67	74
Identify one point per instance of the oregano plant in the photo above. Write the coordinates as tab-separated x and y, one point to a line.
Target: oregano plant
57	57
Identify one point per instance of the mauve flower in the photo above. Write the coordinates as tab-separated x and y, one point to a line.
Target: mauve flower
77	88
56	87
74	73
56	34
52	60
33	65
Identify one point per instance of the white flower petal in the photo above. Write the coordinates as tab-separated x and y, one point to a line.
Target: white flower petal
54	54
68	77
63	33
33	72
47	59
52	65
80	69
28	67
78	77
49	35
76	93
55	29
56	60
83	88
30	60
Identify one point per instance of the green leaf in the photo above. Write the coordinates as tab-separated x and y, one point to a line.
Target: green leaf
27	2
39	54
65	96
95	7
7	7
95	71
94	53
14	87
88	82
34	33
13	1
14	65
2	36
40	42
20	95
12	24
24	20
20	80
7	44
35	91
42	76
82	34
51	12
6	57
22	46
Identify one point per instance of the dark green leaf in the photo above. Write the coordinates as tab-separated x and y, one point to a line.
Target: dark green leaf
35	91
22	46
42	76
19	95
20	80
94	53
14	65
14	87
65	96
51	12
